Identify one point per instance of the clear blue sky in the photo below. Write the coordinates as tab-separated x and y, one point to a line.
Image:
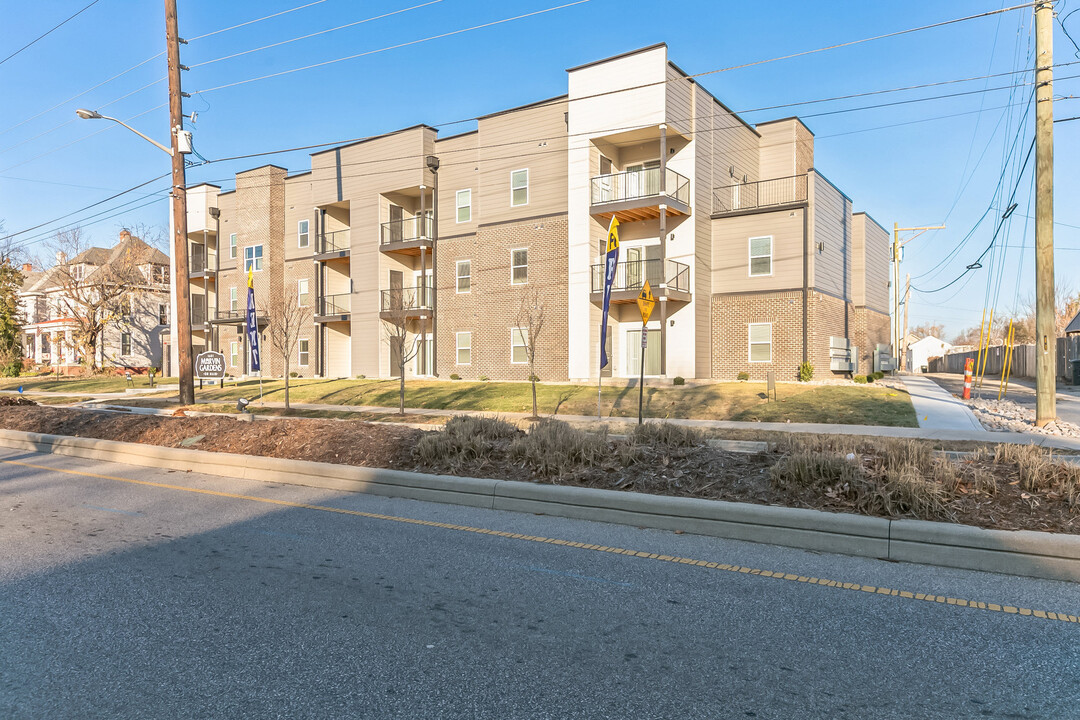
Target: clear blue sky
910	173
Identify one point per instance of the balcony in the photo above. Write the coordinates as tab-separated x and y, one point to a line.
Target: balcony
333	308
760	196
667	278
202	263
332	245
234	317
400	304
637	195
406	236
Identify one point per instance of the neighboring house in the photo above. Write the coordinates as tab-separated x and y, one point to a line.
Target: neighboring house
758	261
920	352
50	303
1073	328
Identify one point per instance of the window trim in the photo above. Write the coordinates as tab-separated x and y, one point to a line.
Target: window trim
306	292
234	299
458	348
233	245
125	338
525	344
458	206
525	188
458	276
526	265
751	257
306	234
234	353
750	343
303	347
256	262
163	314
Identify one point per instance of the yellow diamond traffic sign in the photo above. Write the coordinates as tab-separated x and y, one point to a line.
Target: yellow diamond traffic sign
646	302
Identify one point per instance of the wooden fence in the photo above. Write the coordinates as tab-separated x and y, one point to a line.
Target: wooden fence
1023	362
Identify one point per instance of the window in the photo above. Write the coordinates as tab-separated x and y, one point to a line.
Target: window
253	258
232	246
464	348
125	343
464	205
234	354
302	292
77	272
234	301
464	276
303	356
761	255
519	266
519	188
519	354
760	342
302	236
163	314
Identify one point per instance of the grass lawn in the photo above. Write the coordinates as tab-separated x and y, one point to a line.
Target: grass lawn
95	383
860	405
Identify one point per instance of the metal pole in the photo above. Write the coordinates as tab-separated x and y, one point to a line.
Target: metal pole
435	274
182	333
896	293
641	381
907	303
421	229
1045	326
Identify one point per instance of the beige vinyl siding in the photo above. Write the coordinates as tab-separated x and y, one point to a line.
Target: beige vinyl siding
832	225
459	170
529	138
298	206
777	158
679	90
877	266
731	255
804	149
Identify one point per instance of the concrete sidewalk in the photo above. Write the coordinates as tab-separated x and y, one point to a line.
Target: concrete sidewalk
937	409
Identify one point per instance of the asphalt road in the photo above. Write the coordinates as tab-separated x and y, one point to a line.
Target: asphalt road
134	600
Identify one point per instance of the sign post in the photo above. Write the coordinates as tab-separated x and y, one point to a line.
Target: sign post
645	302
611	263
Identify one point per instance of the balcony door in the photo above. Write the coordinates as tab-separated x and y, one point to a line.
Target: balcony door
605	180
396	229
643	179
635	268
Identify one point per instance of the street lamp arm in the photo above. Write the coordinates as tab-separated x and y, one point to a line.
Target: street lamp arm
96	115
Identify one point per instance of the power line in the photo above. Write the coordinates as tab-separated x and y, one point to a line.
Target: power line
252	22
49	31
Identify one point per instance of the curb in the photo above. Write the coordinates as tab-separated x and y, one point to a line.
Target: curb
1034	554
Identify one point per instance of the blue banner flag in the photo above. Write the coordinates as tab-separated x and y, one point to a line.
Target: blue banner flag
611	262
253	326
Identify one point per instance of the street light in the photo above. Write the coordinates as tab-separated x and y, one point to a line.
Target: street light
181	146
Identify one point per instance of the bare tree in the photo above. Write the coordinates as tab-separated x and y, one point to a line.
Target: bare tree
398	306
530	322
927	329
285	318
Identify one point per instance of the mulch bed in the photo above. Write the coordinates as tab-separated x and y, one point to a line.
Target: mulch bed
704	472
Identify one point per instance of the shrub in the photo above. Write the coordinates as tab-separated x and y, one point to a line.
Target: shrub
294	374
859	379
678	380
465	438
806	372
483	378
666	435
877	375
743	375
455	376
552	448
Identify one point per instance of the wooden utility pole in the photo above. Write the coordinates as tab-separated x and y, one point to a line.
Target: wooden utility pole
896	247
907	298
1045	326
182	331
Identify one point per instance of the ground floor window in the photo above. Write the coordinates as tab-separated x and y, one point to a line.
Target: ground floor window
234	354
464	348
304	355
519	354
760	342
633	353
125	343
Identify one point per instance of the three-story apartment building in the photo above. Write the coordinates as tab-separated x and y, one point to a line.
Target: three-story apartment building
758	261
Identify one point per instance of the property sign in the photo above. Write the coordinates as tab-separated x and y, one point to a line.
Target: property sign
646	302
210	366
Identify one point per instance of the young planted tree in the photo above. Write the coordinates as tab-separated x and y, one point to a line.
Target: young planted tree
398	306
530	323
285	318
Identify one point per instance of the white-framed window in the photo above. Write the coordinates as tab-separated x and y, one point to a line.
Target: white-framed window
163	314
125	343
760	350
519	266
464	276
232	246
464	348
234	300
234	354
761	256
519	338
519	187
463	200
253	258
303	356
302	292
303	237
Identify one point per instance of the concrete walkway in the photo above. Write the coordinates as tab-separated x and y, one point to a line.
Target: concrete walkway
937	409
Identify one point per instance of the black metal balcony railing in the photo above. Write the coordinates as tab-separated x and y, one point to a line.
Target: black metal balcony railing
329	242
201	260
637	184
340	304
237	315
406	230
405	299
763	193
633	274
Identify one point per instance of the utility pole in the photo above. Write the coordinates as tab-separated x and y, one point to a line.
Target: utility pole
182	330
896	247
907	298
1045	326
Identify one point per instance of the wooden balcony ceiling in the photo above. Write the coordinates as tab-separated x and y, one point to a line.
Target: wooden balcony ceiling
637	214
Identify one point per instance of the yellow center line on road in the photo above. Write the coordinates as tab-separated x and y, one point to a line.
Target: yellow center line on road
775	575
